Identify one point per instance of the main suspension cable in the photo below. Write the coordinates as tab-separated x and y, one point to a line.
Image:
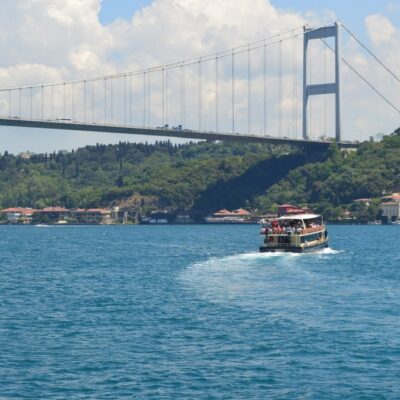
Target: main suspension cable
364	79
372	54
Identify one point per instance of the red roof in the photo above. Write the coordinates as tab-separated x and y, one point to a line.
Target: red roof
21	210
223	212
393	196
98	210
241	211
53	209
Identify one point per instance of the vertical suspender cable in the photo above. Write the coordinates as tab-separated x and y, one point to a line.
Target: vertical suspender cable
163	95
9	103
200	97
52	102
112	101
42	100
72	102
92	87
249	90
84	102
125	100
181	93
130	99
31	89
265	89
233	90
144	99
325	95
310	103
148	98
280	87
184	95
166	97
105	101
20	103
294	85
216	94
64	101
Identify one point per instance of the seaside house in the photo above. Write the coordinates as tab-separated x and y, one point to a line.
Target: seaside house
52	214
97	215
225	216
391	208
156	217
18	215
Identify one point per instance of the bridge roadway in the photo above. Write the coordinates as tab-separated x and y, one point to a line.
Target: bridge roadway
314	145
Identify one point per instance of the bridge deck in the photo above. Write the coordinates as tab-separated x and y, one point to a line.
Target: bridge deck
173	133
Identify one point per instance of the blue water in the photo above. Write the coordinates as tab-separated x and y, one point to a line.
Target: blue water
194	312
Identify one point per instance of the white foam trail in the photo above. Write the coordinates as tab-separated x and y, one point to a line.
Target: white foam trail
258	255
258	280
328	250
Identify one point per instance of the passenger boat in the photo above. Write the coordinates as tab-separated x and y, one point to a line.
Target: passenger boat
295	233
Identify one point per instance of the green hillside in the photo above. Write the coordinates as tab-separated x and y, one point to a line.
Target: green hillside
202	176
166	175
331	185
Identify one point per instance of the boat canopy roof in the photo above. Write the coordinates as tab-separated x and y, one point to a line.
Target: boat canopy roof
298	216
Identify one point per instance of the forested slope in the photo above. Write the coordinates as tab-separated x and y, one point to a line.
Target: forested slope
202	176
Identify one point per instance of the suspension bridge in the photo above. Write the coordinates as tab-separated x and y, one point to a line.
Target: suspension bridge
258	92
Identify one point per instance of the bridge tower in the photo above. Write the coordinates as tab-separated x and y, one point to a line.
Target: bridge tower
322	88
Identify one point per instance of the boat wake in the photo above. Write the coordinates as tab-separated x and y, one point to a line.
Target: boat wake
255	279
258	255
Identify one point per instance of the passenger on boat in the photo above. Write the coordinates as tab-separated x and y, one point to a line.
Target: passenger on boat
290	230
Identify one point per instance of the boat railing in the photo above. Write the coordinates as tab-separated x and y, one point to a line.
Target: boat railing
304	231
313	229
285	245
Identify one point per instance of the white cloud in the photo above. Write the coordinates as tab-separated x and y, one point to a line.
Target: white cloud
59	40
85	60
380	29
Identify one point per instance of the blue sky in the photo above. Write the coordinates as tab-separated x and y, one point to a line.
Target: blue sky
352	12
113	9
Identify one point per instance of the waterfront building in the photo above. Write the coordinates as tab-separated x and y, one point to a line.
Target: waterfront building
97	215
394	197
50	214
225	216
91	216
391	208
391	211
156	217
183	217
18	215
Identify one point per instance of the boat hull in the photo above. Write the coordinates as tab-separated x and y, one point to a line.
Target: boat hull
293	249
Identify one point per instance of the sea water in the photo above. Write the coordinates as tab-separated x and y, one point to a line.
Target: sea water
195	312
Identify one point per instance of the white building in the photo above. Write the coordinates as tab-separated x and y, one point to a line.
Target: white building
18	215
391	211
